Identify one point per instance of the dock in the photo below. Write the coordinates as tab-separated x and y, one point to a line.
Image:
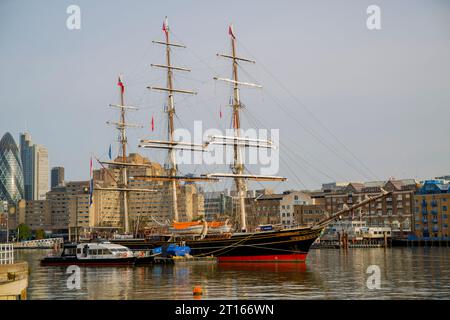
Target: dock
50	243
13	275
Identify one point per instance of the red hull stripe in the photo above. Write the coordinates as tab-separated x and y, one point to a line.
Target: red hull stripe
300	257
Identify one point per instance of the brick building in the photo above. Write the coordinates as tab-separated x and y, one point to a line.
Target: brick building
431	211
394	211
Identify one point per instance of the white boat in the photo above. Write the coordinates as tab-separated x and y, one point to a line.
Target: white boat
95	254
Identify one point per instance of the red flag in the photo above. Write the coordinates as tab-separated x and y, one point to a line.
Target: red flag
221	112
153	124
91	184
230	31
120	84
165	26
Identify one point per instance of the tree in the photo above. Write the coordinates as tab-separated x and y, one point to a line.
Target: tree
40	234
24	232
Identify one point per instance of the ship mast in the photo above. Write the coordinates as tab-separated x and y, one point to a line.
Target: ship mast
239	142
170	113
123	143
238	168
171	145
121	126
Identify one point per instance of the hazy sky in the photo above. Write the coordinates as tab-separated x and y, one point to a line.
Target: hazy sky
330	85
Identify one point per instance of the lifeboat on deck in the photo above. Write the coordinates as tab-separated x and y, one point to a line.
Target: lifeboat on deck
187	228
200	228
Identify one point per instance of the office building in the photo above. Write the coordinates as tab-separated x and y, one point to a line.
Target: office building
11	175
431	211
26	155
276	208
34	159
57	176
394	211
68	210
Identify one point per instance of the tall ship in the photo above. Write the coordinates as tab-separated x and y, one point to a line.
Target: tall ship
221	239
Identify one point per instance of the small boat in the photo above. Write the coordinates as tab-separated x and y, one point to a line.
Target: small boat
92	254
199	228
219	227
188	228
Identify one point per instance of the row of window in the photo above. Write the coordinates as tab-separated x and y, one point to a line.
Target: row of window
313	212
351	199
95	252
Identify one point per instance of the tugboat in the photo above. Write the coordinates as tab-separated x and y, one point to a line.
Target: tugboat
92	254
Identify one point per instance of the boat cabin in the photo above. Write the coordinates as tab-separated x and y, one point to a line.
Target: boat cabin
102	250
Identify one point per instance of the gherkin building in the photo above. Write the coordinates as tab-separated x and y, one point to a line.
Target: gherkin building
11	175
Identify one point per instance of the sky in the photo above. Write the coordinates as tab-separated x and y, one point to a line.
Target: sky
351	104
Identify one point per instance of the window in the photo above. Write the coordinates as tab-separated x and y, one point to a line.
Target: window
444	208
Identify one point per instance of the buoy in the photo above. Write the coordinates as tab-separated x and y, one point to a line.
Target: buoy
197	291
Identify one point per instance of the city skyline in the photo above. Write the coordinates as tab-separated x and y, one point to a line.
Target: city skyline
239	151
401	104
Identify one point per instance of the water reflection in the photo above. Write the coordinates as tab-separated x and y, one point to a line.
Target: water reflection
406	273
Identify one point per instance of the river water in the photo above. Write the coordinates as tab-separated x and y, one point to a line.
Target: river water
404	273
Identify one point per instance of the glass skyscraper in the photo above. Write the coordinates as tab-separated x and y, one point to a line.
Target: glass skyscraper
35	168
11	175
27	155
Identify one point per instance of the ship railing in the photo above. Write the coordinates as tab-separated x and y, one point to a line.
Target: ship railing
6	253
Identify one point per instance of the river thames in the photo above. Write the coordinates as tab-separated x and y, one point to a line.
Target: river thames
405	273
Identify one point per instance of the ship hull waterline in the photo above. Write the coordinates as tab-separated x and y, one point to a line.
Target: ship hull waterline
68	261
289	245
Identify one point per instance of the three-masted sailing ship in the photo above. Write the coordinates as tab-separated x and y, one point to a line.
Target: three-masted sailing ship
216	238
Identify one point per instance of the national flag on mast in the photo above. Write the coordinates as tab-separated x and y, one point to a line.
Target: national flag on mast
165	26
91	184
153	124
230	31
110	152
120	84
220	112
